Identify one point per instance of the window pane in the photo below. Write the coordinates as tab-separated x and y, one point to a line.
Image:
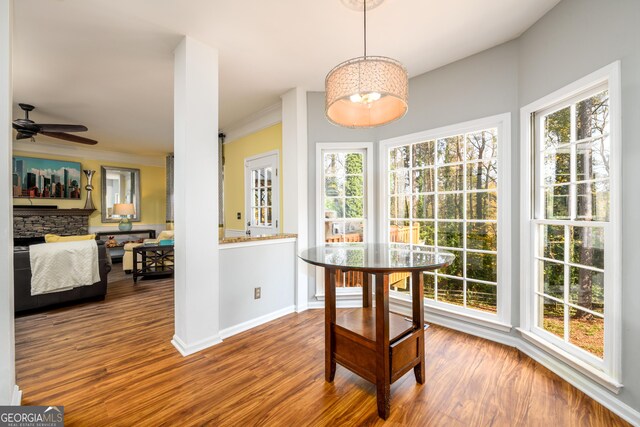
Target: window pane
593	201
450	290
482	205
482	145
354	231
450	206
353	163
557	128
587	246
399	182
592	116
556	202
482	176
423	154
269	190
333	163
354	185
399	206
586	331
556	168
482	297
256	197
587	289
552	316
455	268
423	181
451	149
552	243
267	177
426	233
399	157
450	178
552	280
400	232
269	219
482	235
450	234
423	206
354	208
592	159
482	266
333	232
334	186
429	285
334	208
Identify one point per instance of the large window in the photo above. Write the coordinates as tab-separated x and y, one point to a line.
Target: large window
572	227
442	192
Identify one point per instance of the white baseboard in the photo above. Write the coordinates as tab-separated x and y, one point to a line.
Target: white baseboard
16	398
249	324
187	350
302	307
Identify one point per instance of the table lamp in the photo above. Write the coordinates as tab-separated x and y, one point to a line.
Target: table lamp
124	210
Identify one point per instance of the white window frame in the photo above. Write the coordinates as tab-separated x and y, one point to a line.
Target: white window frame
607	371
502	319
275	189
354	294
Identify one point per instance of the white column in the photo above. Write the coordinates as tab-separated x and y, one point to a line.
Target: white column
295	172
9	393
197	287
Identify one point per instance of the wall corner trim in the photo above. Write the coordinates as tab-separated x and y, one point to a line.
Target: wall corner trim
187	350
16	398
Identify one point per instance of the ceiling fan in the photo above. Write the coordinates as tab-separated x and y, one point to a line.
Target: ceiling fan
27	128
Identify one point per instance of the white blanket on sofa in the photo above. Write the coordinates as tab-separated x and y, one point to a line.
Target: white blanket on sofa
62	266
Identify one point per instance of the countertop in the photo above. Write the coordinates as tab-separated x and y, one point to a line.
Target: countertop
255	238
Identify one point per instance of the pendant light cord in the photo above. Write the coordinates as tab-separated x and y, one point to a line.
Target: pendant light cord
365	29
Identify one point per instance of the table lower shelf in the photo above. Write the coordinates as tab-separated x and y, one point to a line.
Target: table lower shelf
355	345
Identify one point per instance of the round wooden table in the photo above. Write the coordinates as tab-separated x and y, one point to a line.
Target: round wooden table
377	345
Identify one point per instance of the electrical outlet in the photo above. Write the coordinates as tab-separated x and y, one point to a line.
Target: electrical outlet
257	293
238	215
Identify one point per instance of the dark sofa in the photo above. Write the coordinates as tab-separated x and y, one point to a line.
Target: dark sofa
24	301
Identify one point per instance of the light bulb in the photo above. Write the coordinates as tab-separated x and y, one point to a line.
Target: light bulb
366	98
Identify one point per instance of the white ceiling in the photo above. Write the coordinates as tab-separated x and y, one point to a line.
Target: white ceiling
108	64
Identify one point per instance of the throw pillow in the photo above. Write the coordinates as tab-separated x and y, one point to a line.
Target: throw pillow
54	238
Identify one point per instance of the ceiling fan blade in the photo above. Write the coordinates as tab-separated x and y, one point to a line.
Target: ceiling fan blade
61	128
70	138
21	135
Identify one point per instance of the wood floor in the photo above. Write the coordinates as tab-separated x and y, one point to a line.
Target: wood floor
111	363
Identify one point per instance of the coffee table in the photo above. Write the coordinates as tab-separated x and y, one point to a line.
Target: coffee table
154	260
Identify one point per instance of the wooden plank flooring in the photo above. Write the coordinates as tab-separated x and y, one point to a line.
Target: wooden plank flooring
111	363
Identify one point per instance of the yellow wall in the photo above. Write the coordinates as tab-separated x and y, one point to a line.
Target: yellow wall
234	153
152	188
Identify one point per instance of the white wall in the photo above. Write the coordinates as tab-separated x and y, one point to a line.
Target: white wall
272	268
7	346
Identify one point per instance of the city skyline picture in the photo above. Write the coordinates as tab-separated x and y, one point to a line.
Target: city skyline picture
37	178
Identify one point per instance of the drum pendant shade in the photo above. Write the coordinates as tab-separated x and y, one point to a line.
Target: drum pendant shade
366	92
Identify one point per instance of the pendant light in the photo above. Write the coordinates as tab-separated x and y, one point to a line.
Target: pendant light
367	91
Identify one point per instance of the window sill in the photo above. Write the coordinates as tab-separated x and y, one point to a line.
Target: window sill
596	375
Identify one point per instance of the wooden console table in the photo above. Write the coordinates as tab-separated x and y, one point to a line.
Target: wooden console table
377	345
117	252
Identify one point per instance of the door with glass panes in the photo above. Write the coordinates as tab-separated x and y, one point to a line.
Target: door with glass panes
262	194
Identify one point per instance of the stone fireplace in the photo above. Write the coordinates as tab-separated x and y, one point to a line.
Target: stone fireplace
33	222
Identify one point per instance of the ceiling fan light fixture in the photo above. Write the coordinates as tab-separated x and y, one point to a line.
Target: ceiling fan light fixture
367	91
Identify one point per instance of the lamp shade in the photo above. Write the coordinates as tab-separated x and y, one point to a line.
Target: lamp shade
367	91
122	209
